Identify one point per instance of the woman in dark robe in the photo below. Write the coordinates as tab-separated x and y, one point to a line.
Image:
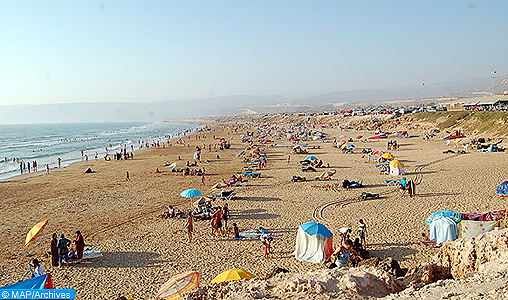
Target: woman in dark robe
54	250
80	245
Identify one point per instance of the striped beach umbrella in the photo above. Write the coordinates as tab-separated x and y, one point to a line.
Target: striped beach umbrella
179	284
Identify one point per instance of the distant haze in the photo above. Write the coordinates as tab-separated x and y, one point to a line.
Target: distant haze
151	51
175	110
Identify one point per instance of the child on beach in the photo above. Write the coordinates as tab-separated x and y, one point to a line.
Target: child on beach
266	239
362	232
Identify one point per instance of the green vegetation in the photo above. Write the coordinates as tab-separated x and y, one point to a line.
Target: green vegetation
469	122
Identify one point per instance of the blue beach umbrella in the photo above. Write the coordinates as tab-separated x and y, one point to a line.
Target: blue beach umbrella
502	189
310	157
314	228
190	193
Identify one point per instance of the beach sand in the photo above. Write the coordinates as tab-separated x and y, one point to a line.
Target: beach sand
141	251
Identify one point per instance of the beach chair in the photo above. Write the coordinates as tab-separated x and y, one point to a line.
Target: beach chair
252	175
298	178
393	181
241	183
226	195
305	162
308	169
251	168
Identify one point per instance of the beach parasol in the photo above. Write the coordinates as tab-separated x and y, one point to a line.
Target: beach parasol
179	284
202	201
396	164
32	234
314	228
310	157
190	193
456	141
502	189
388	156
233	274
219	185
359	137
376	152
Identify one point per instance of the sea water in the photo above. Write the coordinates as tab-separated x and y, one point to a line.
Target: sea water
45	143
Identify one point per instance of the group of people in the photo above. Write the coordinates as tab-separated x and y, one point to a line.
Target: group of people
340	257
60	253
60	249
218	217
172	213
392	145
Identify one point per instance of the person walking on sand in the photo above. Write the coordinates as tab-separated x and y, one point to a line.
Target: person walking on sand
189	226
80	245
54	250
128	178
47	169
225	216
289	159
362	232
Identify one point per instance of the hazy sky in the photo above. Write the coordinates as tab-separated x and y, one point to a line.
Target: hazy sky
137	51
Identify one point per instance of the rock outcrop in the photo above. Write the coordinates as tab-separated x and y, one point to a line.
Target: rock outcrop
466	256
357	283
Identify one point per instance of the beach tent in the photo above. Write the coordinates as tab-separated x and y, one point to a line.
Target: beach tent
314	243
502	189
36	283
396	168
443	229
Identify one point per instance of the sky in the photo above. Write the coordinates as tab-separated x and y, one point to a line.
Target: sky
140	51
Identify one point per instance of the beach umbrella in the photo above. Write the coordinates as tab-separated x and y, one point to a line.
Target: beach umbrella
179	284
310	157
345	145
219	185
233	274
34	232
502	189
456	141
359	137
190	193
202	201
396	164
388	156
376	152
314	228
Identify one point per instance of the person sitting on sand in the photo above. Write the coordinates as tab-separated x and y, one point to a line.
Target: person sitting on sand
236	232
36	268
341	255
426	241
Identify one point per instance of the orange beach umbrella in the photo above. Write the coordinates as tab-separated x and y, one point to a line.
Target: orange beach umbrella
32	234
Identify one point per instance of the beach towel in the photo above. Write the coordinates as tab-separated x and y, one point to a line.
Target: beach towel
468	228
252	233
91	253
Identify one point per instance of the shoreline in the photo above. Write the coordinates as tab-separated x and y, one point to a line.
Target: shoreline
100	151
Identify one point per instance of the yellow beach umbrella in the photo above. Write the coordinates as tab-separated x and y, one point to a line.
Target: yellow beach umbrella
396	164
388	156
344	146
233	274
32	234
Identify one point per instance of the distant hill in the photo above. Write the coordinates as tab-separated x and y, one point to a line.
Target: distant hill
500	86
175	110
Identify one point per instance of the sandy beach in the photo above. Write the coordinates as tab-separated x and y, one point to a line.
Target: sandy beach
142	251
